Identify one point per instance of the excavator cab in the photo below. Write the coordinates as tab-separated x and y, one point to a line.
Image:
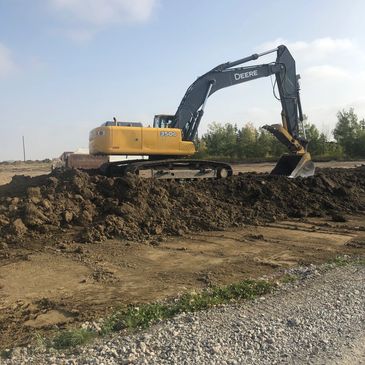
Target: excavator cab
163	121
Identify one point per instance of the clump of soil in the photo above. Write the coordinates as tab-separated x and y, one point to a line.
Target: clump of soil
93	208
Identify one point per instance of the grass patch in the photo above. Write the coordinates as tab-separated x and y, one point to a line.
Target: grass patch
341	261
134	317
143	316
289	278
72	338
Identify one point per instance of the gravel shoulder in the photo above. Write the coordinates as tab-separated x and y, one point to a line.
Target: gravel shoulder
319	319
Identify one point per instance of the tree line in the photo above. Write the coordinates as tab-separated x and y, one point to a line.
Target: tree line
248	143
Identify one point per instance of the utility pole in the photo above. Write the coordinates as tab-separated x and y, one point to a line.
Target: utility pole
23	148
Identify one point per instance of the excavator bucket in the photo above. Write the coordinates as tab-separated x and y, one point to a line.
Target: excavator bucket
294	166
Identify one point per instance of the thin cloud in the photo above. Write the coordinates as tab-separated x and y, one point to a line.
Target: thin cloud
81	35
7	64
105	12
323	46
318	49
327	72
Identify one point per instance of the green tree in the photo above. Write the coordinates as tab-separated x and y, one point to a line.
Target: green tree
316	139
247	141
348	133
265	143
221	140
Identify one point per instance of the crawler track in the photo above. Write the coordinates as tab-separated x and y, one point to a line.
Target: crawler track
170	169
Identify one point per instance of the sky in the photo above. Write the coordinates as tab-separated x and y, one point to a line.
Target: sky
66	66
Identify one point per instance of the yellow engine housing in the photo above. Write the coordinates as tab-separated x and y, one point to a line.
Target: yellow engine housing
126	140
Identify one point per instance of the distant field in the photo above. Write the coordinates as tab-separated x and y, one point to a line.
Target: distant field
7	171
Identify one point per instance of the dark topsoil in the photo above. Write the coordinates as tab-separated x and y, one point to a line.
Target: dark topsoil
92	208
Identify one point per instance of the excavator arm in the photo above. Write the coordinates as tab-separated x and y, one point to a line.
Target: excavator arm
191	108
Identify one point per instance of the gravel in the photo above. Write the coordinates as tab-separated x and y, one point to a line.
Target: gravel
318	320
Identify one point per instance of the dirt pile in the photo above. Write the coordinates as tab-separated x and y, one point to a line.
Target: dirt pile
93	208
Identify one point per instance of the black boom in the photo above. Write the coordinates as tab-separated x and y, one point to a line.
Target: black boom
191	108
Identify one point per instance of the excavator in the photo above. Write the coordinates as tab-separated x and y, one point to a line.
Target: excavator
166	149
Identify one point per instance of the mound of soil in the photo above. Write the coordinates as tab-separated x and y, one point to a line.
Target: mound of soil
93	208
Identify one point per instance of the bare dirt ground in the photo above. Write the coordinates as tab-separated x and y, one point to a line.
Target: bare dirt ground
47	284
268	166
7	171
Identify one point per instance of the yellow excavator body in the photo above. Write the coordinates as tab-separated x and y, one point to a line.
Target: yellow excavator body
139	141
169	143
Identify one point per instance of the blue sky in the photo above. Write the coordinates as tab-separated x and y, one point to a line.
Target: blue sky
66	66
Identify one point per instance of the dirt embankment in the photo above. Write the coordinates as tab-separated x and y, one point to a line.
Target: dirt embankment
76	206
50	280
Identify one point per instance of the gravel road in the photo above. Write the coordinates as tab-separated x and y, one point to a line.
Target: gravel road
318	320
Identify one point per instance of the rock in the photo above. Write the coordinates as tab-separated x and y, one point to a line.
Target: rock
34	194
3	246
18	228
158	229
52	181
79	198
132	357
142	346
34	215
126	209
13	209
216	349
337	217
293	322
46	204
68	216
15	201
3	220
86	217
